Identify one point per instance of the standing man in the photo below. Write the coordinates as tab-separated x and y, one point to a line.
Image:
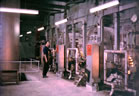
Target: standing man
46	57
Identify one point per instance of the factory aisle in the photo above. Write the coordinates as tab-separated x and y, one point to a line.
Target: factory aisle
51	86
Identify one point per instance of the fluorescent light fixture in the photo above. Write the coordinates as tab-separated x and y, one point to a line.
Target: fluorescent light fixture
15	10
61	22
40	29
20	35
104	6
29	32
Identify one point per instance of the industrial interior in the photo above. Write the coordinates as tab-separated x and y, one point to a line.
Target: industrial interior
94	47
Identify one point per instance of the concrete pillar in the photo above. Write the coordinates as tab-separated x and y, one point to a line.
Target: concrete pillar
84	38
116	31
57	36
116	34
73	36
9	34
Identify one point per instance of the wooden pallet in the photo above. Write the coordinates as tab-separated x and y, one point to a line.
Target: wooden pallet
9	76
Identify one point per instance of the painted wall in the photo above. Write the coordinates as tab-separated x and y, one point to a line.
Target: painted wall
27	46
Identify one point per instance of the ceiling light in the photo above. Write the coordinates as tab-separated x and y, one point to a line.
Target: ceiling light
104	6
20	35
61	22
15	10
29	32
40	29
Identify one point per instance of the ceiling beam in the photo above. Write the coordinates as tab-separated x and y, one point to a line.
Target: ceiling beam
55	6
44	9
49	10
61	0
44	5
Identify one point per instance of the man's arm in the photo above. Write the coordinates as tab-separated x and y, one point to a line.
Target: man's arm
45	58
44	54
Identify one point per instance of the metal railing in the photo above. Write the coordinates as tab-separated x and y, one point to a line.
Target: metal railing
21	66
125	69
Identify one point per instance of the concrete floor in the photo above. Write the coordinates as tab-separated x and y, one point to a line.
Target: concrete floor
51	86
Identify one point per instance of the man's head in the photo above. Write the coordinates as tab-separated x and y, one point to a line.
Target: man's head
47	44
